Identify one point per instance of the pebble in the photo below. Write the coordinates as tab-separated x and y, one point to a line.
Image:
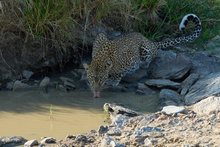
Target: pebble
48	140
31	143
170	110
45	82
102	129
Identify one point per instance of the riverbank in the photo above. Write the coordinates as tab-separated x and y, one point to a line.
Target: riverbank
196	125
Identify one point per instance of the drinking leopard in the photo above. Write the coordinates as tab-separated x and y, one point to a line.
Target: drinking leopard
113	59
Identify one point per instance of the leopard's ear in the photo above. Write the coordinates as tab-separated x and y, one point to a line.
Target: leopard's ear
86	66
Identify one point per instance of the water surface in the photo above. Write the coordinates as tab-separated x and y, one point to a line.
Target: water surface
35	114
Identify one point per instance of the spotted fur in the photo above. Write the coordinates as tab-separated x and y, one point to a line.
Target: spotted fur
113	59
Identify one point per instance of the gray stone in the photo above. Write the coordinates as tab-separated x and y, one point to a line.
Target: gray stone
69	85
102	129
174	69
205	106
70	137
116	144
31	143
169	110
160	83
83	81
62	88
168	97
48	140
114	132
137	75
45	82
81	138
110	88
142	133
27	74
146	129
147	142
144	89
204	65
10	85
187	83
18	85
119	121
106	141
12	140
65	79
203	88
114	110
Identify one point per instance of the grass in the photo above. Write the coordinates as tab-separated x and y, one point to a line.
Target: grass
51	112
54	24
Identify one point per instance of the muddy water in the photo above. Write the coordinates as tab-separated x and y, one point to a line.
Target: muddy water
35	114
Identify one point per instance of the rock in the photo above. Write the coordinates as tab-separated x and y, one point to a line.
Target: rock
146	129
119	121
203	88
114	132
137	75
205	106
62	88
65	79
144	89
18	85
70	137
169	110
69	85
27	74
106	141
114	110
168	97
31	143
142	133
174	69
147	142
48	140
12	140
116	144
10	85
204	65
83	81
160	83
188	82
81	138
119	88
102	129
45	82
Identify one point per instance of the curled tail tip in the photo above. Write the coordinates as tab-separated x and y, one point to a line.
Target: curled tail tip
187	18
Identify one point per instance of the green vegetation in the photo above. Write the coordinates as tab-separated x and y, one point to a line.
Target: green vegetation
106	116
51	112
57	24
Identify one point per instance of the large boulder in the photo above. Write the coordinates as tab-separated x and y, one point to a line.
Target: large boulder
187	83
169	97
207	105
204	65
203	88
12	141
172	69
160	83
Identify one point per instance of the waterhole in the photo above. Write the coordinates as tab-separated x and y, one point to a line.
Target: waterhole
36	114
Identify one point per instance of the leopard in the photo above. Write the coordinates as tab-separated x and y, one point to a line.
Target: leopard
113	59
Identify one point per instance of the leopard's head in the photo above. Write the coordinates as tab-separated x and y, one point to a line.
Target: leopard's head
97	74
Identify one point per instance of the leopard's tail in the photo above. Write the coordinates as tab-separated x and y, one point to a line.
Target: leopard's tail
183	24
